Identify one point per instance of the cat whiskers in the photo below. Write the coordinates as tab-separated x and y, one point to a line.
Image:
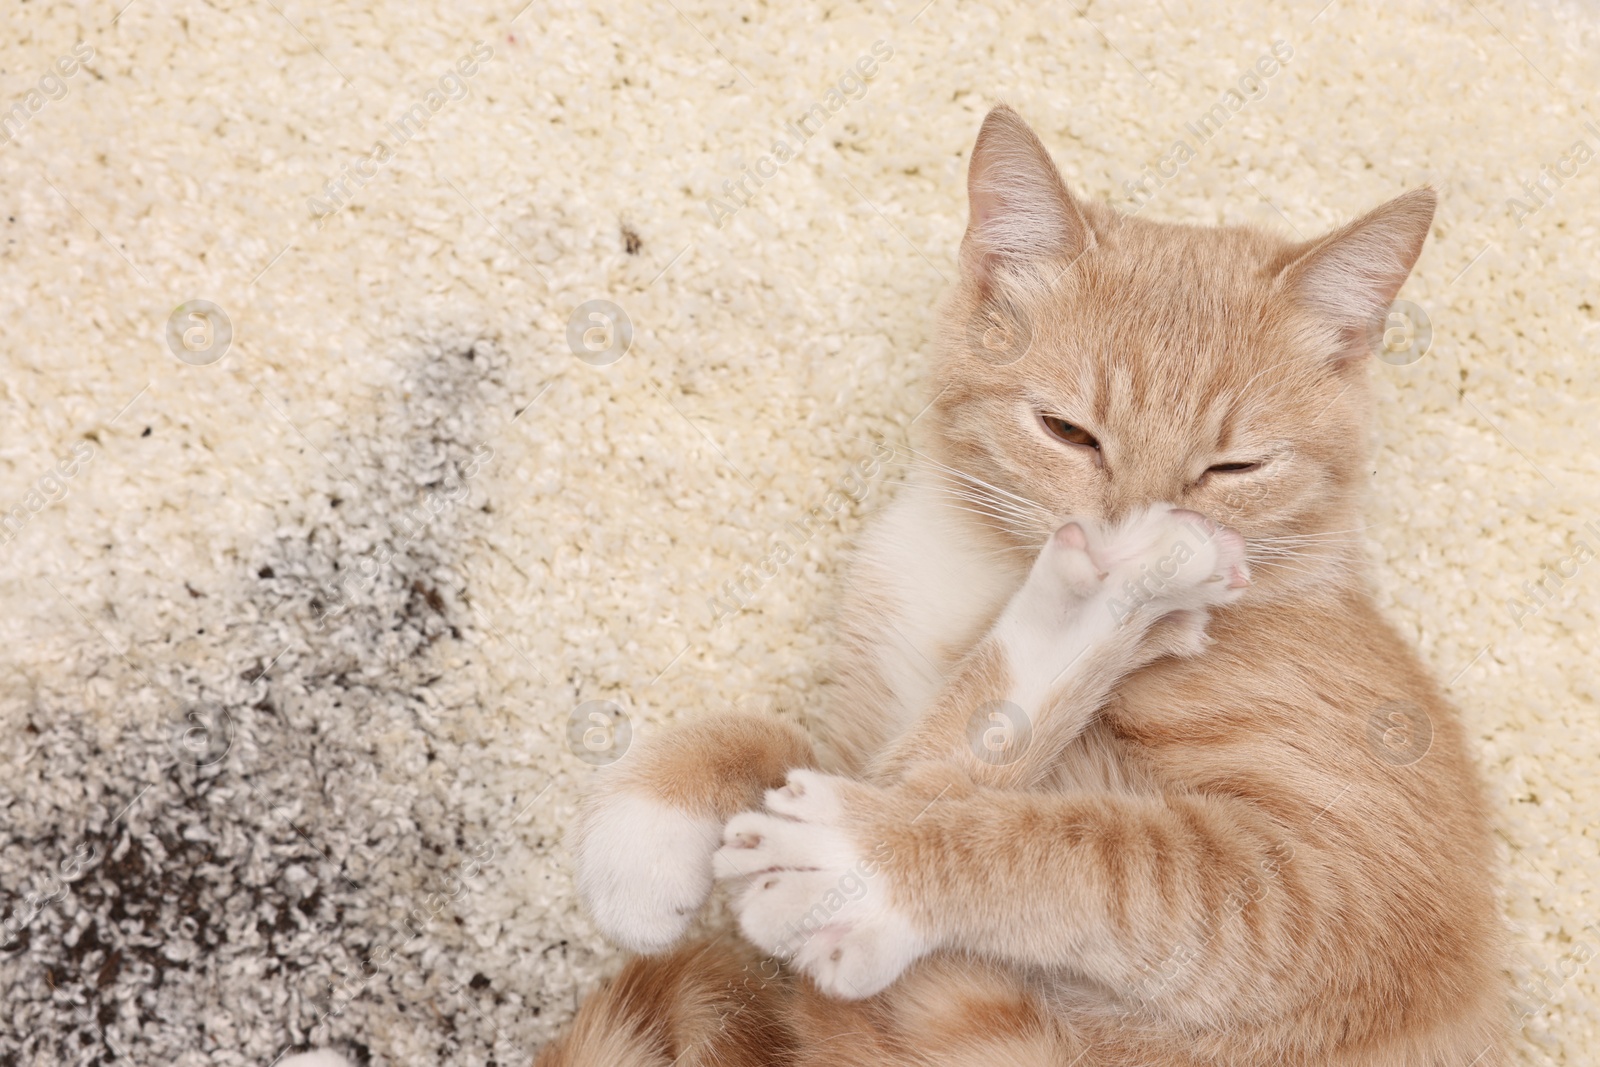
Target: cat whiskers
1299	561
979	483
1011	521
1013	524
1017	515
1318	554
1318	535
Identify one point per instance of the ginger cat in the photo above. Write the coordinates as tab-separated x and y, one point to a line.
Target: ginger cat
1128	798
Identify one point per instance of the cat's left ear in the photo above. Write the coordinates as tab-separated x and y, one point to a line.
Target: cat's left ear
1022	218
1349	279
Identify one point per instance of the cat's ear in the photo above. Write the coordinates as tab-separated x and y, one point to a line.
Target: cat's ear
1021	215
1349	279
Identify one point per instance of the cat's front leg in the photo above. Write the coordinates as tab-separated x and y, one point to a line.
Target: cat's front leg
811	889
1100	602
815	889
1114	597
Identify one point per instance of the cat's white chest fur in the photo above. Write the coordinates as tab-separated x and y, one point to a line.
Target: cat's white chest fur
942	588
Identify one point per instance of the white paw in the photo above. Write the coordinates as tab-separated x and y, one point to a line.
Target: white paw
644	869
1163	559
811	895
1065	572
1167	560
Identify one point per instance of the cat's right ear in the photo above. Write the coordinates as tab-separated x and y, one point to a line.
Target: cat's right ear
1349	278
1022	220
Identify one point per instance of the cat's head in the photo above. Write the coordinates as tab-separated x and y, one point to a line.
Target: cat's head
1094	362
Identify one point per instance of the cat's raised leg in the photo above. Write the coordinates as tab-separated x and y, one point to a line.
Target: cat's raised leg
1099	603
646	832
815	887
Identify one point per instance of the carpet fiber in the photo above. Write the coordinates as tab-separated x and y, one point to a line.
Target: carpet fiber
324	598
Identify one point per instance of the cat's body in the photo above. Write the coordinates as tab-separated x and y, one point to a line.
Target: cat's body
1212	852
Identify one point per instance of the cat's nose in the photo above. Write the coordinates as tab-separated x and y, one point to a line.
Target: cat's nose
1130	492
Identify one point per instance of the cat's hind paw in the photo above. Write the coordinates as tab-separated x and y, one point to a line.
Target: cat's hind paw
644	869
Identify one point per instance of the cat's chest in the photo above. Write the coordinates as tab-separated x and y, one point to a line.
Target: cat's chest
943	589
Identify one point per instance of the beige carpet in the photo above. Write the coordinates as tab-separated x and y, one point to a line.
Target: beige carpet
294	638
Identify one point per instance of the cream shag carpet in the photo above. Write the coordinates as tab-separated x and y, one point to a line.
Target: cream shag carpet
293	639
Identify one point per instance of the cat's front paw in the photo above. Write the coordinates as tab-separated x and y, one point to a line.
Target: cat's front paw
1064	576
812	894
1167	560
644	868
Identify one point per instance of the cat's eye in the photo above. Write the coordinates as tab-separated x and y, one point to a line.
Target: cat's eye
1232	468
1062	430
